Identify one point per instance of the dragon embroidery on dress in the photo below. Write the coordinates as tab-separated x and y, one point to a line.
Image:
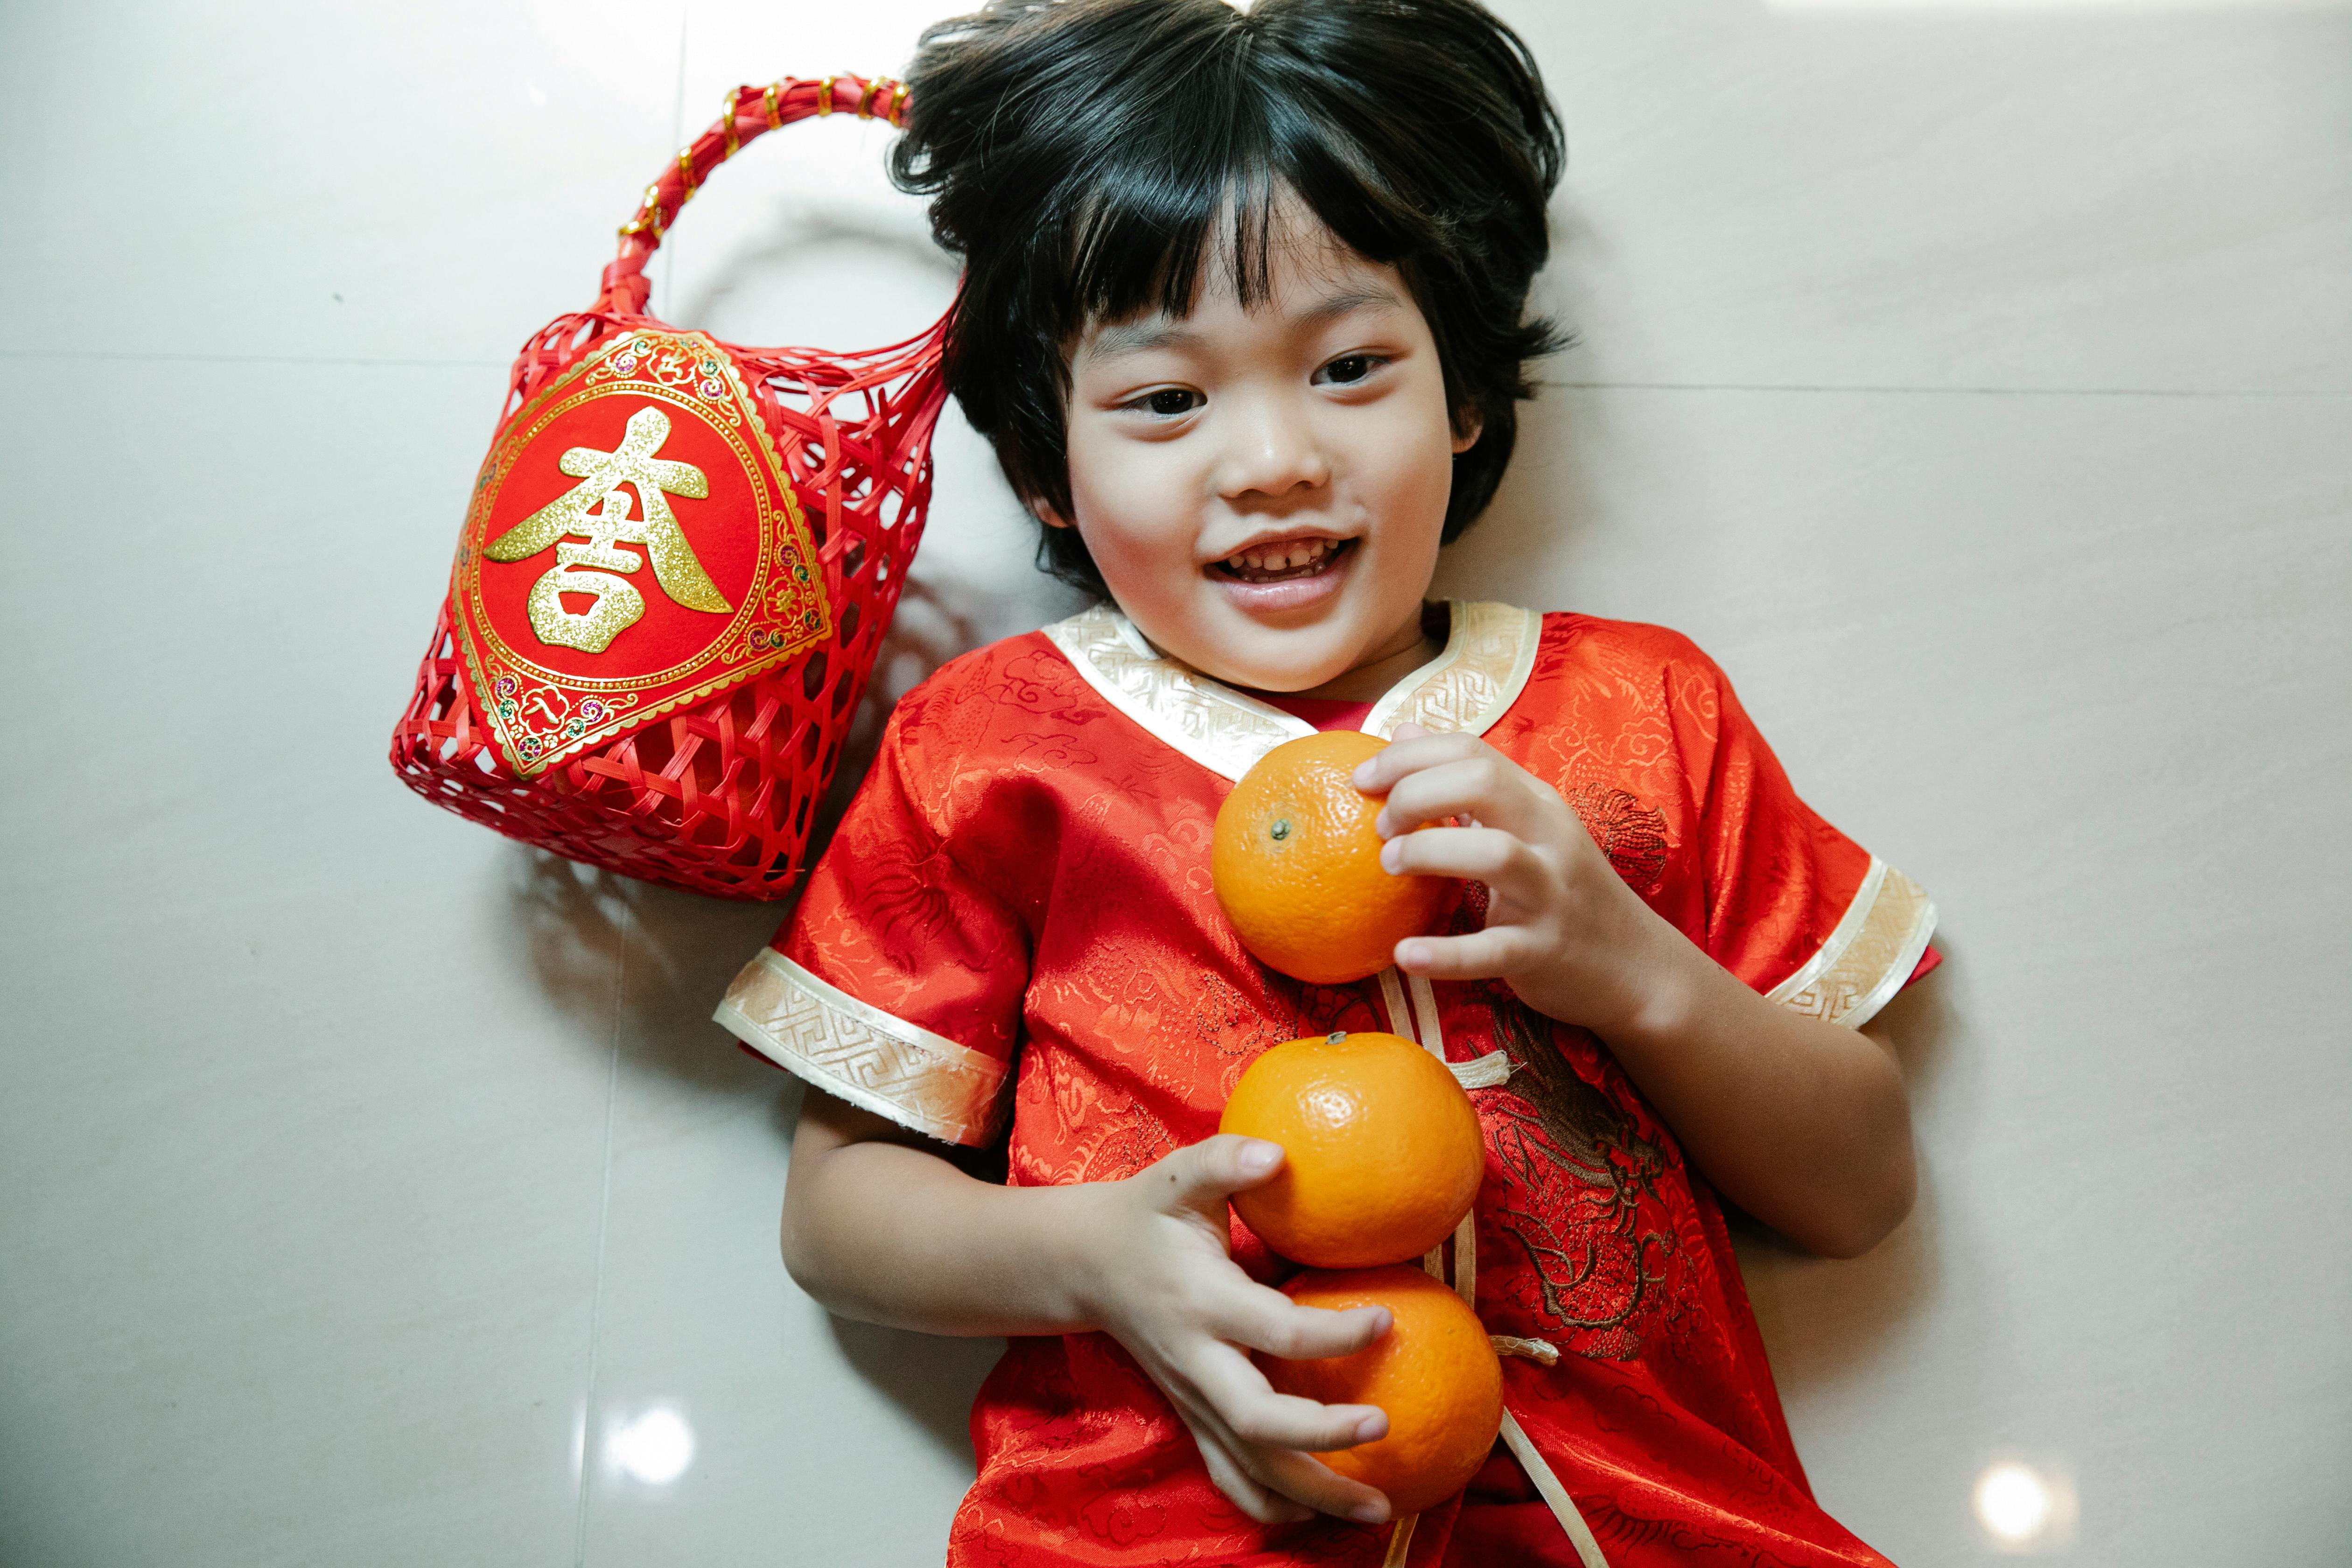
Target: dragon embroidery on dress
1584	1208
1225	1023
1631	835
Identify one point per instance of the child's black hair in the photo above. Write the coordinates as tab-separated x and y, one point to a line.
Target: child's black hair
1080	152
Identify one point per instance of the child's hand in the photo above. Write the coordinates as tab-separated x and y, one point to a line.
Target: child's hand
1158	1278
1563	930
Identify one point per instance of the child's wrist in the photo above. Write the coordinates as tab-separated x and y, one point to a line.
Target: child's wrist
1071	1248
1669	982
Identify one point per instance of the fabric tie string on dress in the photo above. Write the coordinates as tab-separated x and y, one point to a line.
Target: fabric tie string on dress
1417	1021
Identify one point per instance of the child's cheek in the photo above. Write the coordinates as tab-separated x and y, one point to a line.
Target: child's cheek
1131	505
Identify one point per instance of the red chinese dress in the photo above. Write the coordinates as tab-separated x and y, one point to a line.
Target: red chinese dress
1013	927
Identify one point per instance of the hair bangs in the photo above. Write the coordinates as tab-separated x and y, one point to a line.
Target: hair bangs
1181	203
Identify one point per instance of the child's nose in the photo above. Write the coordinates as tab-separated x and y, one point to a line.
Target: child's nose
1270	450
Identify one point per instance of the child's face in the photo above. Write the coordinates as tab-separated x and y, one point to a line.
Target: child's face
1263	489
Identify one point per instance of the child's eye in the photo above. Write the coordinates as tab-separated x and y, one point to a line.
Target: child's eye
1348	369
1169	402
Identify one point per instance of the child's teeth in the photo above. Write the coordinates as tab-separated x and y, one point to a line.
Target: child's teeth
1282	557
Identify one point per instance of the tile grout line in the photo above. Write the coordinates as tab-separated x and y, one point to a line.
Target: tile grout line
2311	395
603	1227
1877	389
362	361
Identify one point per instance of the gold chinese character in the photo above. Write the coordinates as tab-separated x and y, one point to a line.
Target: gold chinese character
599	511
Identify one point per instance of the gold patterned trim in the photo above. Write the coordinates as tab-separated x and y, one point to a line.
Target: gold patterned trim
1879	941
1490	653
1210	722
863	1055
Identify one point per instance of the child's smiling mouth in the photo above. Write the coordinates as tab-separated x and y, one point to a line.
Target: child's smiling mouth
1282	560
1283	575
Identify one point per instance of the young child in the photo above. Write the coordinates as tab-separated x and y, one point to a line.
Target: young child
1244	314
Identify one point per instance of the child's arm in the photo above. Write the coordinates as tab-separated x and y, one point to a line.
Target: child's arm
1802	1122
878	1228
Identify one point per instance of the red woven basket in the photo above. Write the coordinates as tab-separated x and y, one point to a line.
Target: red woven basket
678	723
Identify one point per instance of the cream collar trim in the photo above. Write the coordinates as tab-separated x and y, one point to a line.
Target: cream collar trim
1488	655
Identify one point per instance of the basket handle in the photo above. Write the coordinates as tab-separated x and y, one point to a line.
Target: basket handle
749	113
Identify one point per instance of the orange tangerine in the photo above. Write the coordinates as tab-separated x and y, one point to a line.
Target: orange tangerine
1297	866
1381	1150
1434	1372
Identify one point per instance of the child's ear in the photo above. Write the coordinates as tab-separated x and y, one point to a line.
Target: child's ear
1046	513
1467	429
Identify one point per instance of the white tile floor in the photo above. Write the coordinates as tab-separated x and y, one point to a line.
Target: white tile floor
1975	381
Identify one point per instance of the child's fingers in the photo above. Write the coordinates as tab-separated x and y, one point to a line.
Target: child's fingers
1265	1319
1481	955
1488	855
1201	1176
1292	1474
1261	1503
1413	749
1486	786
1280	1485
1309	1480
1254	1413
1215	1400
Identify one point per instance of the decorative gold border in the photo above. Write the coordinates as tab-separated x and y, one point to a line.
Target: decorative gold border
863	1055
1490	653
1210	722
773	492
1877	942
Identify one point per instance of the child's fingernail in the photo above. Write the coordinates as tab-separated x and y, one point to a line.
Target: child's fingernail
1391	857
1369	1513
1260	1158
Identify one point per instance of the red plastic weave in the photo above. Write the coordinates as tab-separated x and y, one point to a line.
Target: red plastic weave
716	798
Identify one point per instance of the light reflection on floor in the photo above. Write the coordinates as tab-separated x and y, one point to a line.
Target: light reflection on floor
654	1449
2024	1508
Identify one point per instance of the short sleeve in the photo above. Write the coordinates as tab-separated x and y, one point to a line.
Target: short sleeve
896	984
1795	908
